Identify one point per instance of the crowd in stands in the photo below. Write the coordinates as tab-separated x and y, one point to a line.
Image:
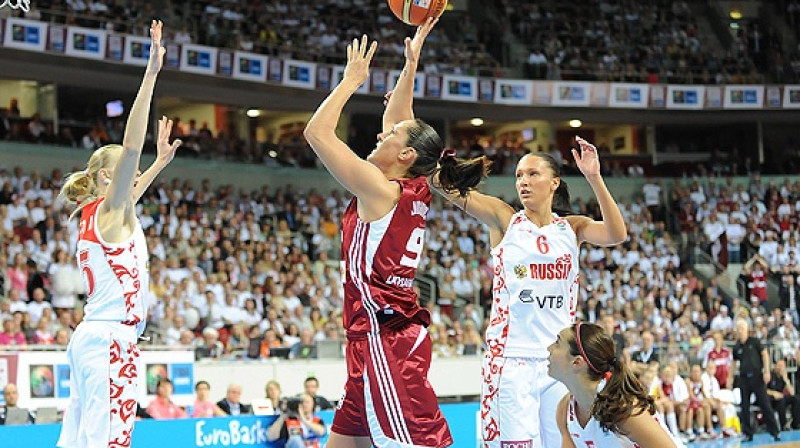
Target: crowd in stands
607	40
632	41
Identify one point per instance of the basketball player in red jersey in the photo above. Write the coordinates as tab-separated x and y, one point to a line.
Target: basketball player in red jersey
535	259
112	255
387	400
722	358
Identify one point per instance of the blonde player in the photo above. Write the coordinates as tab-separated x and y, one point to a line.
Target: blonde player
606	405
112	255
535	258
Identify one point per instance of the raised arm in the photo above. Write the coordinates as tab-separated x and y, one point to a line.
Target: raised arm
561	421
611	230
358	176
166	152
400	100
118	194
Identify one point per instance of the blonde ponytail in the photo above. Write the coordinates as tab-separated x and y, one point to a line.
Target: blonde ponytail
80	187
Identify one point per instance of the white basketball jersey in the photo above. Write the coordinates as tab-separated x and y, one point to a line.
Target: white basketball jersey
593	435
535	287
115	275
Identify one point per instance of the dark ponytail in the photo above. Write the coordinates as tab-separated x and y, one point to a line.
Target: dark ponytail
455	175
624	395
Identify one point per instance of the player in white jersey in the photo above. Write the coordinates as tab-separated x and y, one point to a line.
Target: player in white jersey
535	258
112	256
607	406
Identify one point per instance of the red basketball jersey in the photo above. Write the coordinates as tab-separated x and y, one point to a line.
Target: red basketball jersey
380	259
723	360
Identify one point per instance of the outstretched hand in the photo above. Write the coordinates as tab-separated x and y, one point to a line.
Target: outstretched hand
156	50
166	151
414	46
359	56
587	160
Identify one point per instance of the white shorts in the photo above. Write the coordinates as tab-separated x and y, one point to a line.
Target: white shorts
518	404
103	386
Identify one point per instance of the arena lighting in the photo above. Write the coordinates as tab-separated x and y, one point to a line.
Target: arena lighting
736	14
272	153
253	113
476	122
575	123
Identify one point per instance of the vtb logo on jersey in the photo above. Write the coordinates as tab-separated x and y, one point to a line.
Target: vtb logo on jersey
544	301
418	208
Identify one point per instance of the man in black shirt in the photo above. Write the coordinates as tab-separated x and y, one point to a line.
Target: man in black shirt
641	359
311	386
752	361
782	394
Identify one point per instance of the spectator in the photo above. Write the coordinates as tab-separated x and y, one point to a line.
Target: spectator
231	404
11	397
11	334
647	355
311	386
270	405
300	429
203	407
720	358
211	346
305	348
782	396
162	407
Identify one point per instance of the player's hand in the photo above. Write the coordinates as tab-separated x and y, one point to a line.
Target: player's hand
359	56
587	160
387	97
414	46
166	151
156	50
767	377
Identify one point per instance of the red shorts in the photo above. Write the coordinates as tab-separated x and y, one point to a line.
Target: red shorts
396	403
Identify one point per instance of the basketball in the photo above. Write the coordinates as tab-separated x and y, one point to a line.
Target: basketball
416	12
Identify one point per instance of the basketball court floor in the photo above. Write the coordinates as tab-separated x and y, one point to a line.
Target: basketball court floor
789	439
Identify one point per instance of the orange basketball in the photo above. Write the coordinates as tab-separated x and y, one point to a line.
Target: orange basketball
416	12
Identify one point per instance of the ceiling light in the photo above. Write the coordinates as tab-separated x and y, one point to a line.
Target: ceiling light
253	113
575	123
476	122
736	14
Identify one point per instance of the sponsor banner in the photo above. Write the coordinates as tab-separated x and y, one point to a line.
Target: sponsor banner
513	92
419	82
57	38
773	97
2	30
43	377
225	63
338	74
198	59
173	57
633	96
137	51
460	88
713	97
542	92
324	77
378	80
571	93
275	70
24	34
250	66
300	74
115	47
743	97
486	90
791	97
599	94
433	86
658	96
86	43
685	97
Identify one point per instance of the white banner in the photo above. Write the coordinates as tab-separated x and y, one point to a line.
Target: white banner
571	93
43	377
86	43
713	97
772	97
115	46
198	59
460	88
378	80
542	92
633	96
507	91
685	97
337	73
249	66
300	74
744	97
25	34
791	97
419	83
137	50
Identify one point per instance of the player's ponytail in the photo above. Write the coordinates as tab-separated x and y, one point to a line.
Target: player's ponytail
80	187
621	394
455	175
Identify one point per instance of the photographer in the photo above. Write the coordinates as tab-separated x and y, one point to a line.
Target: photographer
297	426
